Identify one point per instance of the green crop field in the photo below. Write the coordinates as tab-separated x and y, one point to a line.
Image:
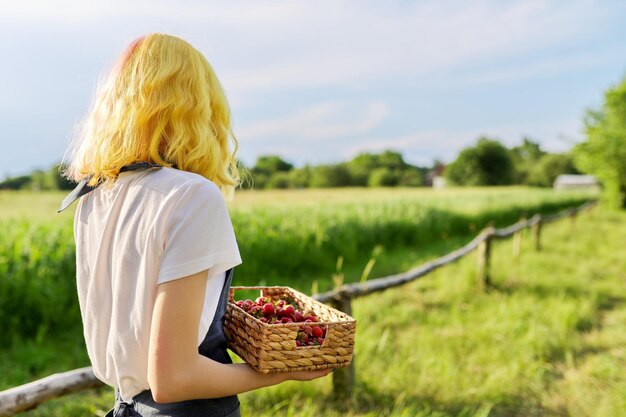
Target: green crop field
295	238
545	340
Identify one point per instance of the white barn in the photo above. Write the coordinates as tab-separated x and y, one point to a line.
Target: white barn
568	182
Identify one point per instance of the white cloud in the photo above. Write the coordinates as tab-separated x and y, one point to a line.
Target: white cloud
548	67
265	45
328	120
354	44
364	58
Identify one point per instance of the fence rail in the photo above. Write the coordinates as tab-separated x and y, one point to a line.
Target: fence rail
33	394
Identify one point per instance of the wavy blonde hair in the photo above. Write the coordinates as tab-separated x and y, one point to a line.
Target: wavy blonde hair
161	103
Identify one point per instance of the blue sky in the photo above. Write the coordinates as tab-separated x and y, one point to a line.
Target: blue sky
321	81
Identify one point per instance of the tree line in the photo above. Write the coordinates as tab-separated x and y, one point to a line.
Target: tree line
39	180
488	162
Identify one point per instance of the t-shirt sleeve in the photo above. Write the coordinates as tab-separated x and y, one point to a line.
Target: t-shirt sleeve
198	235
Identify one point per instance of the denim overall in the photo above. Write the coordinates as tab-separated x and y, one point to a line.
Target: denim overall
214	347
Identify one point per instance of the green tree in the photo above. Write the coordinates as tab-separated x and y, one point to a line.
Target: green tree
16	183
487	163
603	154
265	168
43	180
385	169
392	160
383	177
300	177
279	179
361	166
59	181
412	177
525	156
324	176
270	164
549	167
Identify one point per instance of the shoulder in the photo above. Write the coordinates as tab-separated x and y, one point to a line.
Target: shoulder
182	184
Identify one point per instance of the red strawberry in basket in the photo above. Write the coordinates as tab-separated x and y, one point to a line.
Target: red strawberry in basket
289	310
268	309
256	311
299	316
317	331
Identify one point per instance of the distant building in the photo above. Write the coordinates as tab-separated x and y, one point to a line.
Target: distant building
439	182
569	182
435	175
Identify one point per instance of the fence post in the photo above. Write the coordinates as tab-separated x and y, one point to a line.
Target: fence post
517	240
343	378
572	216
591	210
537	232
484	257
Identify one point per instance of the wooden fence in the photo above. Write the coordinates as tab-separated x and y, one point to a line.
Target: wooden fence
33	394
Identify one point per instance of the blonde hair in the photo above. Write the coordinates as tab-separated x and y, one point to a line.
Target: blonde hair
161	103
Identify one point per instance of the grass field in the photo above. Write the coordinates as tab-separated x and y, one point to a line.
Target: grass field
547	339
295	238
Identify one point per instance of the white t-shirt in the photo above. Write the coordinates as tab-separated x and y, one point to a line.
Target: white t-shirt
151	227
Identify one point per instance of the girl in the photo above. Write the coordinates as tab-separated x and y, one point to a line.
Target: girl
155	248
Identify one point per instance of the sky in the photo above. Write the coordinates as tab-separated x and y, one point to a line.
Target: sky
321	81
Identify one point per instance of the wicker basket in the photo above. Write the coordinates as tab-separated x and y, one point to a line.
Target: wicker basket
271	348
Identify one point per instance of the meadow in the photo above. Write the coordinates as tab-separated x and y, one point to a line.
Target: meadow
295	238
548	329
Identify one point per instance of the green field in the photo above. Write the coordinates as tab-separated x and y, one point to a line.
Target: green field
546	340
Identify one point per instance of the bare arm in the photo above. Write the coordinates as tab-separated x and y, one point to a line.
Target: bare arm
176	371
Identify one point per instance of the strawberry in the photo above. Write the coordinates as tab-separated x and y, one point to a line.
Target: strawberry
300	335
316	331
299	317
256	311
268	309
289	309
286	320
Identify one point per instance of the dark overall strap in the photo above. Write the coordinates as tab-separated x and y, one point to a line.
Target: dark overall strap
122	409
82	188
